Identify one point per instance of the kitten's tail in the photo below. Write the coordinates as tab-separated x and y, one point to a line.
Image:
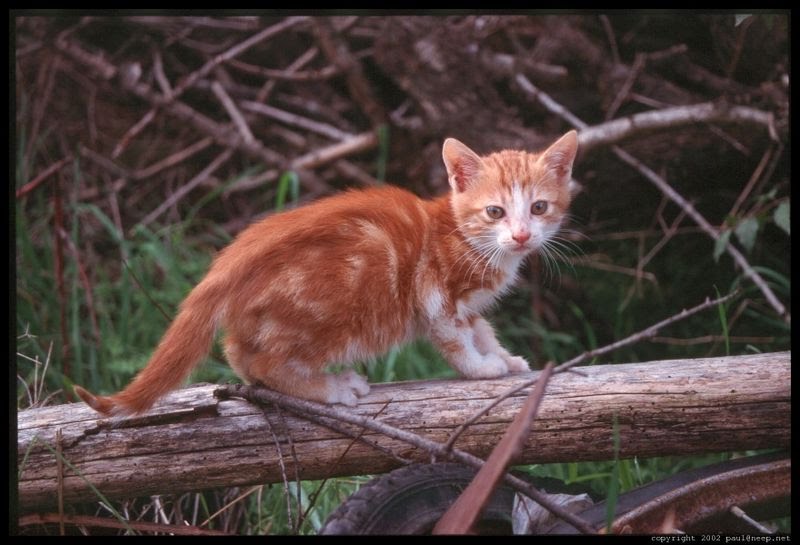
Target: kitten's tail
183	346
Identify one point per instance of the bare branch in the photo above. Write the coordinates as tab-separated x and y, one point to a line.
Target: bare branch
234	113
636	125
42	176
186	188
296	120
658	181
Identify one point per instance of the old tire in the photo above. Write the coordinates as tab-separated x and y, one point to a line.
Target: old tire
410	500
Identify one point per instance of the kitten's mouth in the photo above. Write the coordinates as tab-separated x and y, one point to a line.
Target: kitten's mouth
520	249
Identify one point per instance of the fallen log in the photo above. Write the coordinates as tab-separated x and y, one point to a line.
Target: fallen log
193	441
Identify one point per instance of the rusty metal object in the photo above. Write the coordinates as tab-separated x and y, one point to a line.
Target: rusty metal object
700	500
696	501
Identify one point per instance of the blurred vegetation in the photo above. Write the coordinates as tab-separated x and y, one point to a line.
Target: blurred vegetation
96	286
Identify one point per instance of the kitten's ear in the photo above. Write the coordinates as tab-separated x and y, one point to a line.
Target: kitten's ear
559	157
463	164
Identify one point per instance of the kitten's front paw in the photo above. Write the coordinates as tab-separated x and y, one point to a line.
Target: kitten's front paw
346	388
517	364
489	366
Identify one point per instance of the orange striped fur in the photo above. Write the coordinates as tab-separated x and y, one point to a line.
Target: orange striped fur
347	277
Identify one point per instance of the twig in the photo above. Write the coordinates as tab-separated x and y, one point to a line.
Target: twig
186	188
210	127
303	408
191	79
286	74
234	51
296	120
638	65
266	90
754	177
234	113
707	227
45	81
706	339
636	337
338	53
158	72
741	112
284	478
61	289
87	286
357	436
134	131
104	162
623	128
355	144
42	176
174	159
462	515
612	40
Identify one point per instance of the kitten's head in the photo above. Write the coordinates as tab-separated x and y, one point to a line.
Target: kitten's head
510	203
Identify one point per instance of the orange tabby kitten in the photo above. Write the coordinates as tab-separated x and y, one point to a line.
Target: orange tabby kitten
348	277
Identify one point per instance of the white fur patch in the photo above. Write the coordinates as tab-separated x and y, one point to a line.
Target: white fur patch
433	302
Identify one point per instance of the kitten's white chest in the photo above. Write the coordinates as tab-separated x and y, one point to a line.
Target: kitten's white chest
481	299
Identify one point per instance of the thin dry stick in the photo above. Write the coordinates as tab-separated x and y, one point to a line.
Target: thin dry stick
754	177
158	72
636	337
287	74
304	408
221	134
133	132
665	188
710	230
203	71
296	464
339	54
284	479
234	51
320	156
234	113
296	120
462	515
186	188
621	128
624	92
266	90
312	500
173	159
358	434
44	175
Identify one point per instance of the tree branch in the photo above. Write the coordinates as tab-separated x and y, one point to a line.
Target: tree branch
665	188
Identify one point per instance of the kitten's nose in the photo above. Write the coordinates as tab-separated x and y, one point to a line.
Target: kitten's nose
521	237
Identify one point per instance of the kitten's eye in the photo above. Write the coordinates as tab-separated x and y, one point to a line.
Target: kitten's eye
539	207
495	212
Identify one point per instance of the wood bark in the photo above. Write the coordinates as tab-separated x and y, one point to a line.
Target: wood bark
193	441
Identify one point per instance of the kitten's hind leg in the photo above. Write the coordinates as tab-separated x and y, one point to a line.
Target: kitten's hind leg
309	382
295	377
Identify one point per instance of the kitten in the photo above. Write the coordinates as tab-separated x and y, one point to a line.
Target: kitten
349	276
